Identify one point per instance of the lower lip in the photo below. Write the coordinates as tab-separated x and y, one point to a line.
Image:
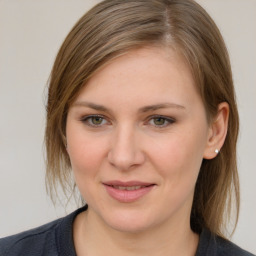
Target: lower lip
127	196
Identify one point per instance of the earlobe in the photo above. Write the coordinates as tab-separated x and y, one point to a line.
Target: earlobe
66	145
217	132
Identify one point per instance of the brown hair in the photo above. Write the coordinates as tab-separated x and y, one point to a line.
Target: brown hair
111	29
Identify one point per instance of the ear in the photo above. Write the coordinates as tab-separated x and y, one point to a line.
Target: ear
217	132
66	144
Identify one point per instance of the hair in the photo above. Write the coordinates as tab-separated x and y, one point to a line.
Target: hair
111	29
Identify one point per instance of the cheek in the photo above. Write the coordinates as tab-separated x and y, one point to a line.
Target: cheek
179	156
85	152
86	157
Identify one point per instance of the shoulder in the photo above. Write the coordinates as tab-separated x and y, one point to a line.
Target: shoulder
214	245
52	239
226	247
31	242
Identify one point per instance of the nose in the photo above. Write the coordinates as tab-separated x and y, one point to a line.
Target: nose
125	151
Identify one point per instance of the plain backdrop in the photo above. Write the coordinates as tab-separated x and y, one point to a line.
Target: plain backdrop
31	31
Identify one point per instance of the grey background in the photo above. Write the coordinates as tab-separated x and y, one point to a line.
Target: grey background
30	34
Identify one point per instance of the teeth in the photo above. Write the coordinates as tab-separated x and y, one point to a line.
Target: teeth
128	188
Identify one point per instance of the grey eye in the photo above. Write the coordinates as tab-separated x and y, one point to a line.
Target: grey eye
159	121
96	120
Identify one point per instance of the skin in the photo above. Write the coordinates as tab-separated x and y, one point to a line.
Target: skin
129	141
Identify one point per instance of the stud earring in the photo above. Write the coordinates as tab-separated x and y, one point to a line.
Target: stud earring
217	151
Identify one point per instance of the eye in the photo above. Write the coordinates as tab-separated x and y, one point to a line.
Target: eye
94	120
161	121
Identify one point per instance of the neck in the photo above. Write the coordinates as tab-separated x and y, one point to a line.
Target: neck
90	232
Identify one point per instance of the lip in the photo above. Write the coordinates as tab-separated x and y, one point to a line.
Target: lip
127	196
127	183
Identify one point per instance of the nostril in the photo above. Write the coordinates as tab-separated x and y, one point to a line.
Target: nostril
123	157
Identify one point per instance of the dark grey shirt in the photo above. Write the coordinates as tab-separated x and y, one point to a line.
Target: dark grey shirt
55	238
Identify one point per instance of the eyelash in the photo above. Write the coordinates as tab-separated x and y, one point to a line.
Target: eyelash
86	120
167	121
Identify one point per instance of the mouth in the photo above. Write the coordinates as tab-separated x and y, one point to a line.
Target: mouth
127	192
129	188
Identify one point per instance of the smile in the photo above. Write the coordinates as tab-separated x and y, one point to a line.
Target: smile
127	192
129	188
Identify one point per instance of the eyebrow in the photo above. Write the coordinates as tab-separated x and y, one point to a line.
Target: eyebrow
91	105
160	106
141	110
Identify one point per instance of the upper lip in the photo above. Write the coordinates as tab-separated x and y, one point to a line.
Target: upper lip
127	183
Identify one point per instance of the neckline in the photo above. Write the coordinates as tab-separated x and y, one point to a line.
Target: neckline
65	242
64	234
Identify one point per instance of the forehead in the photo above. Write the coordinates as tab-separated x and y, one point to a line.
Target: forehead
142	75
144	59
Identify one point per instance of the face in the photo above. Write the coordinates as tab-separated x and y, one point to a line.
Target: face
136	137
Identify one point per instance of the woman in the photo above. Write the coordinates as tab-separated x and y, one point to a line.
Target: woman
140	106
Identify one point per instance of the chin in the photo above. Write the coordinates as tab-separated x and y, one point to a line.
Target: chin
129	222
128	227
